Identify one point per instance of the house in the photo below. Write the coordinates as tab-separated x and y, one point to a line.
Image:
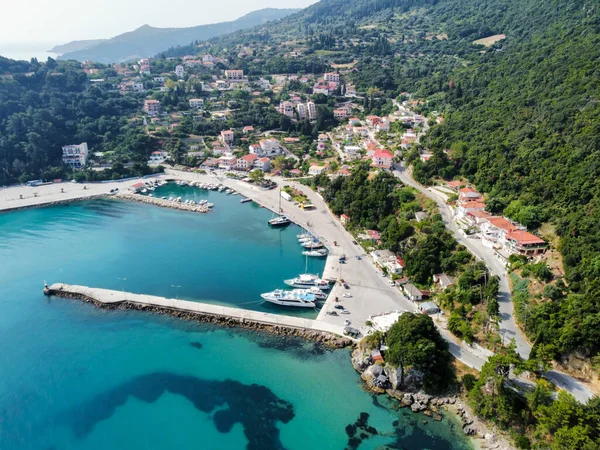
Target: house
495	229
373	120
464	208
287	109
248	129
374	234
144	65
263	164
295	172
343	172
468	194
234	75
445	281
208	58
384	125
344	219
332	77
525	243
315	169
266	147
429	308
323	138
152	107
196	103
382	159
454	185
179	71
354	121
412	292
227	161
157	158
227	137
340	114
75	155
246	162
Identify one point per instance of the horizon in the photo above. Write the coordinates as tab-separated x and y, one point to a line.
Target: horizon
22	31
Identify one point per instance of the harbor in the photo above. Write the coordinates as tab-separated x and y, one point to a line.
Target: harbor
359	287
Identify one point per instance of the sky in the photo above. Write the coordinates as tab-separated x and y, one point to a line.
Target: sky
61	21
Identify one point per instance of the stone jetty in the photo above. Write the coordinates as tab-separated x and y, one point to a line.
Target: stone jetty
315	330
192	207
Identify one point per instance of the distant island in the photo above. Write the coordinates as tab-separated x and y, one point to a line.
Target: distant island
148	41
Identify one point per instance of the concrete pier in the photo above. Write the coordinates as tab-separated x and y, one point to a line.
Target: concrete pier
205	312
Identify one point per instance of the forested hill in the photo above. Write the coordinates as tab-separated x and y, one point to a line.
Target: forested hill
522	115
46	106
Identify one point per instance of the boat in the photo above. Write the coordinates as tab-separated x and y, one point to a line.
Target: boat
304	236
245	200
281	220
290	298
210	205
318	293
317	253
312	245
307	280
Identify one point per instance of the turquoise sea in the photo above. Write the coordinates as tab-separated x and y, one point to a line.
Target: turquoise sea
76	377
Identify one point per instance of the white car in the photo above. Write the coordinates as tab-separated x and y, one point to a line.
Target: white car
391	283
347	322
346	295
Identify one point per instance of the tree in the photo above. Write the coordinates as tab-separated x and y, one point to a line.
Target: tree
414	341
257	176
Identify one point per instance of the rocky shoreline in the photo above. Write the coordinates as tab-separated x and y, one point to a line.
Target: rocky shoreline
320	337
191	207
405	386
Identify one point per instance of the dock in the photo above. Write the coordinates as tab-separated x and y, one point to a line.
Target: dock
205	312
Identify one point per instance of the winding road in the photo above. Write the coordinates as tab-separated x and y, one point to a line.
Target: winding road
508	327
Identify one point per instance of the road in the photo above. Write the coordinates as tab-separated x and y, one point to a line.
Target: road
508	327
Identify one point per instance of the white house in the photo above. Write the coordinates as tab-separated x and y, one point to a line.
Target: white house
315	169
196	103
227	161
152	107
75	155
266	147
263	164
179	71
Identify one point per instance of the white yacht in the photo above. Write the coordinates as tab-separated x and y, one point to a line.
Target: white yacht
290	298
312	245
318	293
307	280
317	253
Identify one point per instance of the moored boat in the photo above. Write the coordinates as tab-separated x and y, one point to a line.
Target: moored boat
307	280
317	253
290	298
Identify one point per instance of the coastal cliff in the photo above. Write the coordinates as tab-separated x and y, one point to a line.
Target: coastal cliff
406	386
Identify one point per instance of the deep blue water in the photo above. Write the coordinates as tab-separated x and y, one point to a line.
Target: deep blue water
76	377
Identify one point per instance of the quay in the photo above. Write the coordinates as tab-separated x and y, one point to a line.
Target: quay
327	333
192	207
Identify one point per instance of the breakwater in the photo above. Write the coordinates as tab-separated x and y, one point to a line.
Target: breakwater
42	203
323	332
192	207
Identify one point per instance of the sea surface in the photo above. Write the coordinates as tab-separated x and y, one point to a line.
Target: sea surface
76	377
27	50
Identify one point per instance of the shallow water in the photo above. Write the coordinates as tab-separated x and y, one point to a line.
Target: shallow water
76	377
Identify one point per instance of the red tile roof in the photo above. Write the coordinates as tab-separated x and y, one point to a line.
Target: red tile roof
524	237
501	222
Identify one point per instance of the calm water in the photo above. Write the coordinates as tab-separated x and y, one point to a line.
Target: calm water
76	377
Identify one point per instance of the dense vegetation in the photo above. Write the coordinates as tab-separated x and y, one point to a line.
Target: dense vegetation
536	420
414	341
46	106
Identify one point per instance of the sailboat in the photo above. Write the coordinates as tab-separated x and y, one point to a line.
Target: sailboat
281	220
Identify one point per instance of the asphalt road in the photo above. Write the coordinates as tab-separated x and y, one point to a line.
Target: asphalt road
508	327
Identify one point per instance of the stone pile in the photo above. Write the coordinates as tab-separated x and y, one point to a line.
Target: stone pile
192	207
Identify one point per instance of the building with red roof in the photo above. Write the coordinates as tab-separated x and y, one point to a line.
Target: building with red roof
382	159
525	243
